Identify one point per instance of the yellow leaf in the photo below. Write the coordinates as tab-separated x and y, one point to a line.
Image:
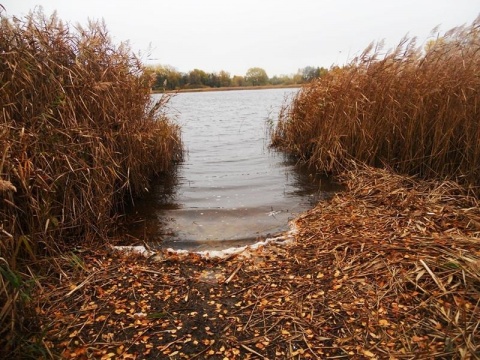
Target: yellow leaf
120	349
417	338
368	353
108	356
383	322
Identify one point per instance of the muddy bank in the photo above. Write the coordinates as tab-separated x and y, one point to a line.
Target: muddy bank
387	269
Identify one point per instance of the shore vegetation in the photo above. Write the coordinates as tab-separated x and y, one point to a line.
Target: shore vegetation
79	138
414	109
168	79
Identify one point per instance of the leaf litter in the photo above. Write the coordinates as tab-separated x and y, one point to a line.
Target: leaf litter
389	268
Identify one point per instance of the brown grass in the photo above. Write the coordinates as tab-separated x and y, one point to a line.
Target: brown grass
79	135
415	110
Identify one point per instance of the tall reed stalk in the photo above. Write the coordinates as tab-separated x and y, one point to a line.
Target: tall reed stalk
416	110
78	136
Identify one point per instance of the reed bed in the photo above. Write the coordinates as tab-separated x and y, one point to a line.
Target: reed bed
79	136
414	109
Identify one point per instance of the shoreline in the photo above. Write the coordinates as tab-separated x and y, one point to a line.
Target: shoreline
229	88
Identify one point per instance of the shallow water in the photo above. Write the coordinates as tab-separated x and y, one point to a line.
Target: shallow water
232	189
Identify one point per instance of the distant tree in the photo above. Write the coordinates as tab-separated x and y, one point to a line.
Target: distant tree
238	80
275	80
212	80
197	77
309	73
166	77
282	80
224	79
185	79
169	78
256	76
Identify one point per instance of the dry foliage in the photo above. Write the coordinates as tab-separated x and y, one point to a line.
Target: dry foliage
78	135
388	269
414	110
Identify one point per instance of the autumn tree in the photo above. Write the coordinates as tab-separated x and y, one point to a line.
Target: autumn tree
309	73
212	80
197	77
166	77
169	78
224	79
282	80
238	80
256	76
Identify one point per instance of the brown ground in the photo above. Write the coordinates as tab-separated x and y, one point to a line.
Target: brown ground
390	268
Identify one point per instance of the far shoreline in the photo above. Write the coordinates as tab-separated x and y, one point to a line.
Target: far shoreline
229	88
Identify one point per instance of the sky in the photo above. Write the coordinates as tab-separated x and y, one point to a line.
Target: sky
277	35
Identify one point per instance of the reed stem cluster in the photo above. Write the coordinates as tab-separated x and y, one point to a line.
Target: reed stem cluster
79	135
414	109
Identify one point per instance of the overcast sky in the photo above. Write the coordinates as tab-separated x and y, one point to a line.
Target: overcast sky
277	35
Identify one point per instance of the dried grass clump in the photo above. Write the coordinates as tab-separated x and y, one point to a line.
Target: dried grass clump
415	110
403	261
78	135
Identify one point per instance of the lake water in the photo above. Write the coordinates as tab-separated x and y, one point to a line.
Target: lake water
231	189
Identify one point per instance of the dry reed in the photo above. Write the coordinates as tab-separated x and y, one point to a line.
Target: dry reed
414	109
79	135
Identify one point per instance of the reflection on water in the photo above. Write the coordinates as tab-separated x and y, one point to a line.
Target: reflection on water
231	190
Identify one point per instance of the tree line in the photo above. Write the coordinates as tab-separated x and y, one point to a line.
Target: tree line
169	78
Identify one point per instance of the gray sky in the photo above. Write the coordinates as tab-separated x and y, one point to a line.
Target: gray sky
277	35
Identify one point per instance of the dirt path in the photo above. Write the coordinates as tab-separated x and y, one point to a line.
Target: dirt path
388	269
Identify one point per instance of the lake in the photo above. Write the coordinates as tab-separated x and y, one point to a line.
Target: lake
232	189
